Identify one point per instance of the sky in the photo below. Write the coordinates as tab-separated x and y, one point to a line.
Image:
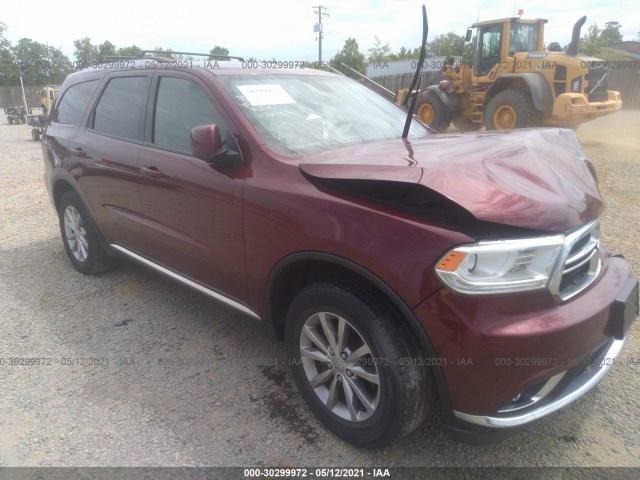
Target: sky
283	29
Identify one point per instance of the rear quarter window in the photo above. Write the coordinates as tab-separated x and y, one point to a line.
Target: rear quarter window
74	102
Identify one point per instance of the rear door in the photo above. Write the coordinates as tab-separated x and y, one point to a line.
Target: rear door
193	210
107	149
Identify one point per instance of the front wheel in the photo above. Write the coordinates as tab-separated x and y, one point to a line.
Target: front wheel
510	109
349	359
35	134
80	236
431	111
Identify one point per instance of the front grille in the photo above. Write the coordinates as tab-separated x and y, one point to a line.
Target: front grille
580	262
597	84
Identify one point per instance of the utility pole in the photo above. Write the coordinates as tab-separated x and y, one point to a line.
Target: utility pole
318	27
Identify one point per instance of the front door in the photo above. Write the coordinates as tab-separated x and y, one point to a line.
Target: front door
192	210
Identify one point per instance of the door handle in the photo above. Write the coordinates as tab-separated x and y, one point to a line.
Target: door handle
151	172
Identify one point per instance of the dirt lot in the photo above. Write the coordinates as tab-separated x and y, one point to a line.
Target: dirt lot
234	402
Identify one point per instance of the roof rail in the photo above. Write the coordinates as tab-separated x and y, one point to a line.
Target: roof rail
210	55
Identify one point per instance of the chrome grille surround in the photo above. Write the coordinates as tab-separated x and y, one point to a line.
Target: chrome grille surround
579	263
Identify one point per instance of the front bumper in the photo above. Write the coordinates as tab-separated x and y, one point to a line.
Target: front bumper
575	108
508	361
588	376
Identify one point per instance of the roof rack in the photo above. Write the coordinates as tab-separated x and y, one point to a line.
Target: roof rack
210	55
111	58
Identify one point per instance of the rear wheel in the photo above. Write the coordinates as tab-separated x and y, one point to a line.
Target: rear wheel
431	111
10	120
80	237
35	134
510	109
348	358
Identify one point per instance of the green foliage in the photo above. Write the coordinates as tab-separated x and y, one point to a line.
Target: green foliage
86	53
349	55
595	42
379	52
218	50
132	51
8	70
106	49
39	64
449	44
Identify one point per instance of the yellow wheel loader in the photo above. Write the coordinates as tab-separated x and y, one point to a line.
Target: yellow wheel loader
514	83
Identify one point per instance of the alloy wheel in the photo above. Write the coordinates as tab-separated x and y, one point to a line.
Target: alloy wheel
340	366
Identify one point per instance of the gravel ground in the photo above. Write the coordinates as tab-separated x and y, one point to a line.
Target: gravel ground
235	403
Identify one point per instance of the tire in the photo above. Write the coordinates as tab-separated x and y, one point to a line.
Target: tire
510	109
430	111
80	237
35	134
10	120
377	395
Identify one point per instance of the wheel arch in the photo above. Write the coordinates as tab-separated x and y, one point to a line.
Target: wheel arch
61	185
533	83
296	271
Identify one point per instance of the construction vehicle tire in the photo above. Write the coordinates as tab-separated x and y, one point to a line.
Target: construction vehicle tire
431	112
512	108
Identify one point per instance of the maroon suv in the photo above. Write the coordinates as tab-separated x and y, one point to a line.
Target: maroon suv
465	267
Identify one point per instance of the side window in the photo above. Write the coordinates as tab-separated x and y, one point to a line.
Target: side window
181	105
120	110
73	103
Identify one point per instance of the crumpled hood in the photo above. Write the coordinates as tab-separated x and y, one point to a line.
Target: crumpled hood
538	178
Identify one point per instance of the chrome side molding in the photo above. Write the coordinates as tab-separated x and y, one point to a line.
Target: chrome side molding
186	281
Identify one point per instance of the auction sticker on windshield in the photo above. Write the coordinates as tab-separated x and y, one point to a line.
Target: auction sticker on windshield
259	95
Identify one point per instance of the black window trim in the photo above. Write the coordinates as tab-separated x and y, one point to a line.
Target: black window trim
53	114
151	110
103	88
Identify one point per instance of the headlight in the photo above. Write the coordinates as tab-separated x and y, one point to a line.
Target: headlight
506	266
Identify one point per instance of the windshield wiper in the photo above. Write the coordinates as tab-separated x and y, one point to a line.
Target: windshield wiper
416	78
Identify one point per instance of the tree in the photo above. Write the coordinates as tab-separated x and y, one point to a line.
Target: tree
218	50
611	33
31	60
379	52
39	64
58	64
8	69
596	41
350	55
449	44
132	51
86	53
105	50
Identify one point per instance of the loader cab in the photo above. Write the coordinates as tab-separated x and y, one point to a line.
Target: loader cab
499	39
48	96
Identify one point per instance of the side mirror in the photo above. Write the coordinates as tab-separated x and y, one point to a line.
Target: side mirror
467	37
207	145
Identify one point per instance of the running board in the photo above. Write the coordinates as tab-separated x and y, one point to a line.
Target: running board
185	281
